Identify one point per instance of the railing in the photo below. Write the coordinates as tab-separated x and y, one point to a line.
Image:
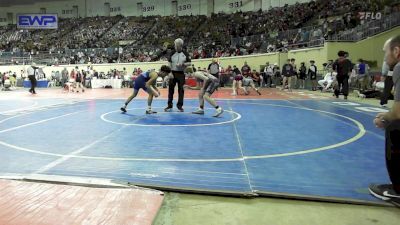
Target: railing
49	57
288	35
368	29
361	32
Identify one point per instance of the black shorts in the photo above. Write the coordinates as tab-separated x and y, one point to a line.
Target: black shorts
211	87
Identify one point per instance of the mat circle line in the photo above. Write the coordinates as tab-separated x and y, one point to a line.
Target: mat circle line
359	135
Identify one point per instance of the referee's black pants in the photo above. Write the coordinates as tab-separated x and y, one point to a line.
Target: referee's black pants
33	81
179	78
387	91
393	153
343	86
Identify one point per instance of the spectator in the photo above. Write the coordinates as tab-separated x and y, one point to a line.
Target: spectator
287	73
302	75
277	74
328	80
295	74
268	74
312	74
362	75
342	66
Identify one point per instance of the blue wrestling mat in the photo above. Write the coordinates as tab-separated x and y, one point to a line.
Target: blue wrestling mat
299	148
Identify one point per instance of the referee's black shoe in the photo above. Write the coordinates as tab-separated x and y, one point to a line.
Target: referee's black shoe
385	192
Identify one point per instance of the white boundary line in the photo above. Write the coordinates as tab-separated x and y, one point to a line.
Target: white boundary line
40	121
241	150
21	109
103	117
74	153
49	107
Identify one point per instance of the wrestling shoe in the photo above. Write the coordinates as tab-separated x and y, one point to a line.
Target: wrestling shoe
149	111
385	192
258	91
168	109
219	111
181	109
199	112
123	109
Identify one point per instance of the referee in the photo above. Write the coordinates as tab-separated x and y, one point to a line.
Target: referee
390	121
178	60
31	71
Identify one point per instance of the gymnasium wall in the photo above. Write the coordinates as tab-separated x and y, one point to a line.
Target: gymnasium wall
254	61
305	55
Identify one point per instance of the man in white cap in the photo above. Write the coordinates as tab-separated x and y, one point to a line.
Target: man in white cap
178	60
31	71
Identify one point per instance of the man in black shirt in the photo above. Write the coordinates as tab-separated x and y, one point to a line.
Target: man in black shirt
343	68
312	73
287	73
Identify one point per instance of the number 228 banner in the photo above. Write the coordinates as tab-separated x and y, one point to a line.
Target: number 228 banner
37	21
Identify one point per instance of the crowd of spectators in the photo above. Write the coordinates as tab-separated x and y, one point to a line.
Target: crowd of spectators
240	33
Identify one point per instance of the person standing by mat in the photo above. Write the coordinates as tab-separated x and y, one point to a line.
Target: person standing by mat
178	60
79	77
32	71
390	121
343	68
287	73
312	74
